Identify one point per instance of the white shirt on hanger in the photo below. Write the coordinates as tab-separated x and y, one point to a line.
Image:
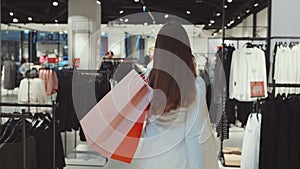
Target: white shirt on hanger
247	65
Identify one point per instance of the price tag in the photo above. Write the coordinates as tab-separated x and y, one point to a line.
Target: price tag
257	89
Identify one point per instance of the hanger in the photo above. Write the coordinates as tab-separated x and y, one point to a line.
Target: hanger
249	45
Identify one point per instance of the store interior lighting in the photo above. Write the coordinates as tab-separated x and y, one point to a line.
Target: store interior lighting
126	20
55	20
11	13
188	12
212	21
166	16
29	18
121	11
256	5
229	1
218	14
55	3
98	2
15	20
136	1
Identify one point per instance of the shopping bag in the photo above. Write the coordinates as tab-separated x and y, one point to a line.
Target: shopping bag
113	127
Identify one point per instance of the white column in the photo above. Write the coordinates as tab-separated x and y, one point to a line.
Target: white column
84	32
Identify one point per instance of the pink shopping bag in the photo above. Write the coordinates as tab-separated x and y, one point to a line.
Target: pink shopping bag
113	127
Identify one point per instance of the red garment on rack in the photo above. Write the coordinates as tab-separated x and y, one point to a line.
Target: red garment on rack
50	79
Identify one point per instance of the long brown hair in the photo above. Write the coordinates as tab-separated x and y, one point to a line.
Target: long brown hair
173	70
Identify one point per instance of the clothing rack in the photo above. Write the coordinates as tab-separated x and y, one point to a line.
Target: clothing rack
106	74
274	84
238	39
23	117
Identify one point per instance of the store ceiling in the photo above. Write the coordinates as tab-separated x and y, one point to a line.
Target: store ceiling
194	11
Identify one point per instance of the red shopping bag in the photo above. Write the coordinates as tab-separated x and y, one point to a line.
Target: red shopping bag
114	126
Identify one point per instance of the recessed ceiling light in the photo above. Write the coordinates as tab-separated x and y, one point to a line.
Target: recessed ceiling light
220	30
66	32
55	20
218	14
188	12
98	2
145	23
166	16
248	11
11	14
121	19
136	1
121	11
232	22
238	17
212	21
55	3
144	8
29	18
256	4
126	20
61	32
225	6
15	20
228	24
229	1
209	24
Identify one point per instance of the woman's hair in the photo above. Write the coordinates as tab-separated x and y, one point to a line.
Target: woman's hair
173	70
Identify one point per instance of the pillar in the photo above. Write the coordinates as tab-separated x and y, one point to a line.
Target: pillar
84	25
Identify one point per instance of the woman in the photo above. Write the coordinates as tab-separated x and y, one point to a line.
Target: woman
178	134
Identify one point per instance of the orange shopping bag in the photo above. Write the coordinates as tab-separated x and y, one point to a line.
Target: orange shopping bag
114	126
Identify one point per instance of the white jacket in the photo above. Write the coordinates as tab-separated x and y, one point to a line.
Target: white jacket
247	65
37	91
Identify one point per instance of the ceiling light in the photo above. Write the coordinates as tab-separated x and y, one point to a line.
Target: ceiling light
121	19
136	1
145	23
238	17
248	11
126	20
98	2
55	3
214	34
256	4
225	6
220	30
218	14
166	16
209	24
29	18
121	11
229	1
11	14
188	12
65	32
61	32
15	20
144	8
55	20
232	22
212	21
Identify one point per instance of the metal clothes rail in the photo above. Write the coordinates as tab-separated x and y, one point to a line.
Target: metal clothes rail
23	116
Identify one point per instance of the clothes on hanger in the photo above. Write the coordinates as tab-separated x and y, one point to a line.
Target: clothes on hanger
286	67
279	146
36	93
51	81
248	66
39	143
10	73
251	142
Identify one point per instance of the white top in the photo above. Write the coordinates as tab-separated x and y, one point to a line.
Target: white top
181	139
37	91
247	65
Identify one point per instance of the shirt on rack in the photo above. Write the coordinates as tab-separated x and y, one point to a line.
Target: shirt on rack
251	143
37	91
50	79
286	70
248	65
10	73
